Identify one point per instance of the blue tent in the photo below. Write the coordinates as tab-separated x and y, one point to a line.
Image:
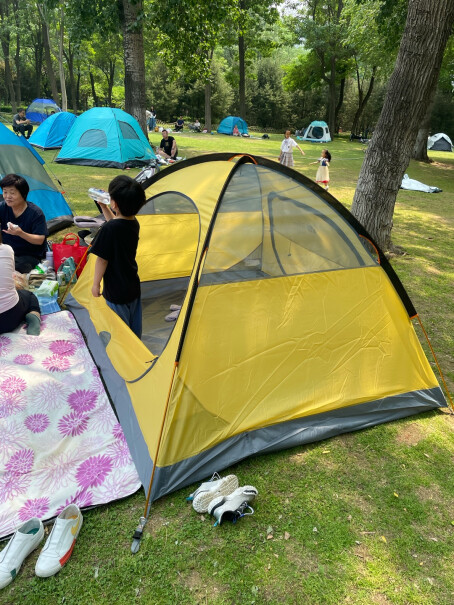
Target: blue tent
316	132
228	124
17	156
106	137
52	132
40	109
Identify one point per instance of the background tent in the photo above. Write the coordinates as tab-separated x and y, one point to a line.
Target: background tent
106	137
17	156
439	142
40	109
51	133
228	124
317	132
293	326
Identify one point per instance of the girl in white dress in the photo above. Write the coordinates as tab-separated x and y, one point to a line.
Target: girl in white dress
322	176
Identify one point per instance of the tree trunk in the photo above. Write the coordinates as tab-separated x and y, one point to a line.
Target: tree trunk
38	55
242	68
8	76
420	148
135	99
362	100
61	69
340	102
331	118
6	40
428	26
69	56
93	90
18	69
48	60
208	105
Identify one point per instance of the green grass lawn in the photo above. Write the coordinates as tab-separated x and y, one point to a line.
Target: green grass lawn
364	518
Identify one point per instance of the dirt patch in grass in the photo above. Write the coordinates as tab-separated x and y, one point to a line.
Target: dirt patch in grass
362	552
307	563
410	434
430	493
202	591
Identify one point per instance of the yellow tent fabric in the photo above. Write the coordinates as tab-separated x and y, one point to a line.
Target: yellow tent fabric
292	327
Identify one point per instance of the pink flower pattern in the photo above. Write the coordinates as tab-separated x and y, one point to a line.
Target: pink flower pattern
10	403
24	360
34	508
93	471
82	400
56	363
13	385
62	347
5	343
73	424
59	439
21	462
37	423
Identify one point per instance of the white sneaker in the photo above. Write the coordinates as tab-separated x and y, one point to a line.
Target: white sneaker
172	316
233	506
26	538
209	490
175	307
60	543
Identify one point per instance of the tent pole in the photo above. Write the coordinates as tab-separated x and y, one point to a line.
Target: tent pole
137	536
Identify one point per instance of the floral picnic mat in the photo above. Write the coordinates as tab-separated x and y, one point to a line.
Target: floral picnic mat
60	441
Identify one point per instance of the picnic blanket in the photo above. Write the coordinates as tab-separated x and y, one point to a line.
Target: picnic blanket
60	441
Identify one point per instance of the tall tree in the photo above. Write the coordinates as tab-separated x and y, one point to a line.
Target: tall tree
134	60
320	28
190	36
428	26
5	36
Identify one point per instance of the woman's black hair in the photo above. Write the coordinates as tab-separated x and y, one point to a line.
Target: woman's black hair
17	181
328	155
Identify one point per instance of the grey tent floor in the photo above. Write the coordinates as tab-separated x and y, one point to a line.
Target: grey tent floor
155	330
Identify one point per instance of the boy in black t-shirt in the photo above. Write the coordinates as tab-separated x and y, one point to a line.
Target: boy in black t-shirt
115	246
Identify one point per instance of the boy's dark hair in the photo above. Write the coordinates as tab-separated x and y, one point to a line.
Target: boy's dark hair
17	181
20	110
127	194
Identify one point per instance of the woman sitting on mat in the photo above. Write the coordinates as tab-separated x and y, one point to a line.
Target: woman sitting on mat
16	306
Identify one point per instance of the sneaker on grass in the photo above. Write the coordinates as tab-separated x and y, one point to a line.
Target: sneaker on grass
26	538
217	486
60	543
233	506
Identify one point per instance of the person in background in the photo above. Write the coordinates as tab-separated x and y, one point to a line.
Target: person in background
16	306
151	119
322	176
23	224
179	124
21	124
168	146
235	132
197	125
115	246
287	145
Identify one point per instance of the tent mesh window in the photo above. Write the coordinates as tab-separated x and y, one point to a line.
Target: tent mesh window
127	130
269	225
93	138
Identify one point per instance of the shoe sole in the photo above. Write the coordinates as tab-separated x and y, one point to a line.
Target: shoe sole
202	501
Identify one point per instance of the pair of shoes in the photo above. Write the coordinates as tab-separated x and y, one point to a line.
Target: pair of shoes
56	551
216	486
223	499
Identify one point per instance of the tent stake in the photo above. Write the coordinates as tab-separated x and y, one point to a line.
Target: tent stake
137	536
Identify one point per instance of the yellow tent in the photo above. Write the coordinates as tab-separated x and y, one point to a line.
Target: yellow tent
293	326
